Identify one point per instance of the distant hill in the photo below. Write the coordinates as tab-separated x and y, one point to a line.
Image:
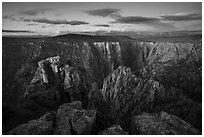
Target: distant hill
82	37
178	36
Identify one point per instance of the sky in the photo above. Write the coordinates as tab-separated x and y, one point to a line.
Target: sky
46	18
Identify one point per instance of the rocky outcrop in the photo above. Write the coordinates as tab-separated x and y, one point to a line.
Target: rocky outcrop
47	80
72	119
161	124
129	95
56	83
113	130
44	70
48	71
41	126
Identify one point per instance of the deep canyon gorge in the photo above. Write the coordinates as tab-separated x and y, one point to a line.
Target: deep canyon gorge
79	84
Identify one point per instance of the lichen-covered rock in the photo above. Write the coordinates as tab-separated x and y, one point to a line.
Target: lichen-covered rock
162	124
72	119
41	126
113	130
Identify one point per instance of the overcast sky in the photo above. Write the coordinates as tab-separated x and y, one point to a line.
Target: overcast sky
59	18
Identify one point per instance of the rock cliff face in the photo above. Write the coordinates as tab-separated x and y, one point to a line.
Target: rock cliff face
129	95
59	82
40	75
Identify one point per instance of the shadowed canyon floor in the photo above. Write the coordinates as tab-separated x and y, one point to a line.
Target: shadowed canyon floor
107	85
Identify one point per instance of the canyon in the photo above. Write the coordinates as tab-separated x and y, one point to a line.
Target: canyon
80	84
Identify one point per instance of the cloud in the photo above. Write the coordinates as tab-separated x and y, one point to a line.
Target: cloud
104	12
102	25
47	21
33	12
161	20
17	31
10	17
26	12
73	23
183	17
6	17
32	24
153	22
136	20
56	22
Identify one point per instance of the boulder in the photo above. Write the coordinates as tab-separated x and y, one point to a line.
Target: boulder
72	119
83	122
41	126
161	124
113	130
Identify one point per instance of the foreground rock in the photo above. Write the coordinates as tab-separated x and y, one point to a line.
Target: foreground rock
41	126
72	119
113	130
162	124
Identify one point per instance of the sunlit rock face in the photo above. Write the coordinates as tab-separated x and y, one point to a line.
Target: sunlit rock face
44	67
110	53
58	82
